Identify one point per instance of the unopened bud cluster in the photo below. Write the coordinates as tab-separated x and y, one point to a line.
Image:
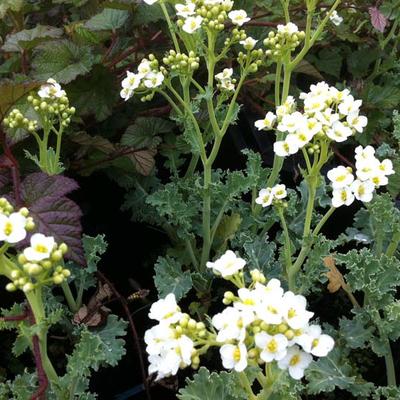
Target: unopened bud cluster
16	120
287	38
182	63
214	15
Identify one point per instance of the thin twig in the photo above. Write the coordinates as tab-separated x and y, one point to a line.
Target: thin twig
125	307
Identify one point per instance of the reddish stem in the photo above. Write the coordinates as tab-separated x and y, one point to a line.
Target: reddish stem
125	307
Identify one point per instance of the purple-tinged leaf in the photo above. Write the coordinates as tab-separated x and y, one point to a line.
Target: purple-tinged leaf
54	214
39	185
378	20
5	180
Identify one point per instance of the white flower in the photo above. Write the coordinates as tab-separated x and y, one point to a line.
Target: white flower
226	74
315	342
249	43
227	85
266	123
185	10
314	104
132	81
327	117
302	137
286	147
192	24
364	154
349	105
153	80
279	191
295	312
356	121
144	67
248	300
157	338
339	132
342	196
273	347
271	290
265	197
164	364
296	361
234	356
363	191
150	2
378	179
51	89
340	177
287	107
270	309
386	167
166	310
231	324
184	346
126	93
366	168
41	247
335	18
289	29
228	264
12	228
292	122
238	17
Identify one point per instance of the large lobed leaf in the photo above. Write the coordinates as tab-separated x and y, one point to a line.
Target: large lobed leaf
62	60
53	213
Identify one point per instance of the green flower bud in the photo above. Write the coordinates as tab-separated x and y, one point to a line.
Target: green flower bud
43	106
46	264
16	273
30	225
35	269
192	324
28	287
289	334
58	279
66	272
10	287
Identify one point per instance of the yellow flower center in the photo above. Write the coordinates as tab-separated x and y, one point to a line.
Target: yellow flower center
343	195
236	354
294	360
315	343
40	248
272	346
292	313
8	228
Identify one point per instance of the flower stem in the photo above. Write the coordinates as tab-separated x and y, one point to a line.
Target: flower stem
244	381
170	26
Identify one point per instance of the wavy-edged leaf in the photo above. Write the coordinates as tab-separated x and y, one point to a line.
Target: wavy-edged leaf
62	60
170	278
29	38
143	160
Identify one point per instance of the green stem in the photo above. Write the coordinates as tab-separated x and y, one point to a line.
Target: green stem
170	26
69	297
58	145
206	217
246	386
189	249
278	74
287	245
394	243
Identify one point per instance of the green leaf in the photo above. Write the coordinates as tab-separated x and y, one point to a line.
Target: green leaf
143	133
329	60
334	371
356	334
170	278
206	386
62	60
387	393
94	248
95	94
378	276
381	96
260	254
358	61
12	5
29	38
108	20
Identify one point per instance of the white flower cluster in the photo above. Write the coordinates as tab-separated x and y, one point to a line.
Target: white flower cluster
36	261
261	324
328	113
268	195
370	175
286	38
225	81
335	18
148	77
193	14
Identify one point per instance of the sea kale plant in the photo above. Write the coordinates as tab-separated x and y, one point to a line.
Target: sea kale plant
50	277
265	335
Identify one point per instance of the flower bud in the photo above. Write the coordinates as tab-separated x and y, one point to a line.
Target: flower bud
10	287
58	279
28	287
24	211
56	255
